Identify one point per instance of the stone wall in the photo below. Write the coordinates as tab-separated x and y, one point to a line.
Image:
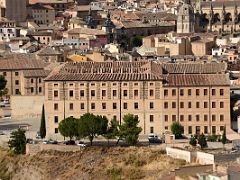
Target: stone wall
204	158
32	149
179	154
200	157
26	106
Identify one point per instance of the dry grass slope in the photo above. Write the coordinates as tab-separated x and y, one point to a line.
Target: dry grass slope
90	163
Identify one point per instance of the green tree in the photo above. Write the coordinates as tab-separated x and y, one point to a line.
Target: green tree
112	131
91	126
136	41
43	124
129	130
68	127
193	141
17	141
3	83
202	141
224	137
177	129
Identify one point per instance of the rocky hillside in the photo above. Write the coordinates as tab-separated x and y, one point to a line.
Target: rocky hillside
90	163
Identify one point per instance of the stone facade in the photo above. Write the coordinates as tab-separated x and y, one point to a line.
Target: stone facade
222	17
185	21
24	77
156	93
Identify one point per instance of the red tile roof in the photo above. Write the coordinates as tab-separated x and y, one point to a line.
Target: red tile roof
191	74
20	63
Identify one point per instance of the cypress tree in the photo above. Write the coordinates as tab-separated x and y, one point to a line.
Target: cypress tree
43	124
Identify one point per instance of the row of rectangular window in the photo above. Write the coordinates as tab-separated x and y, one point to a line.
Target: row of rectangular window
104	106
104	93
197	92
136	93
190	117
198	129
104	84
16	73
189	105
32	81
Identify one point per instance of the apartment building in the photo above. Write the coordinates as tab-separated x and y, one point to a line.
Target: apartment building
43	37
196	95
58	5
42	14
24	75
8	29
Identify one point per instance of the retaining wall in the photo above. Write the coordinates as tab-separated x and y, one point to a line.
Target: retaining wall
32	149
179	154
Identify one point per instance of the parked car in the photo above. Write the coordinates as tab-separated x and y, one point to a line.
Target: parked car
81	144
38	136
1	133
70	142
30	141
153	138
50	141
4	103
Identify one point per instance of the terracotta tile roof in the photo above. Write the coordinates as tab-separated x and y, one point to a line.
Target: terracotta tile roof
194	68
86	31
140	24
20	63
116	14
234	67
36	73
174	80
48	51
105	71
195	74
41	6
159	15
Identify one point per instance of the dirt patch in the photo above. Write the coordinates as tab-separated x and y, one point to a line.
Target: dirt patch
90	163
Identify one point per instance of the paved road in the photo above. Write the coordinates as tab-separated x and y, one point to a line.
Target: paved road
7	125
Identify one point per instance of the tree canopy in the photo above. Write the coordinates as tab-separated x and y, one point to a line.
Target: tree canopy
136	41
177	129
68	127
91	126
3	83
113	130
224	137
17	141
202	141
193	141
129	130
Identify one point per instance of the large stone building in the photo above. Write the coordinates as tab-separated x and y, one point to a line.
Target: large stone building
14	10
223	17
58	5
196	95
212	16
25	76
